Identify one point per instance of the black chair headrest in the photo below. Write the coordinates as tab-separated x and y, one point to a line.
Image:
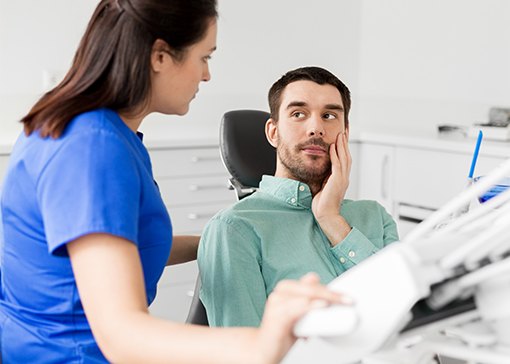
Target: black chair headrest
246	153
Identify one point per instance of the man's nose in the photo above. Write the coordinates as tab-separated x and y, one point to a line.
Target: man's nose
316	128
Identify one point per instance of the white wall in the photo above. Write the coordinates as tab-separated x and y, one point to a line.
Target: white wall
411	64
428	62
35	36
258	41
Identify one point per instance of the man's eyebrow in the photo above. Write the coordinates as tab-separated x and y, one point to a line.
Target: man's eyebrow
303	103
334	107
296	104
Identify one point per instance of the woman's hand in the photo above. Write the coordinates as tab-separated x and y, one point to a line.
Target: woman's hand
289	301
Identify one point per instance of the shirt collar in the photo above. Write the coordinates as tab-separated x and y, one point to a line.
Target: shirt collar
292	192
137	136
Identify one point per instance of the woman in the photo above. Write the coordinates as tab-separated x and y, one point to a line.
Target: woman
86	232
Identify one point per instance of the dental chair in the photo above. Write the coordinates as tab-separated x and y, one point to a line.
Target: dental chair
245	151
247	155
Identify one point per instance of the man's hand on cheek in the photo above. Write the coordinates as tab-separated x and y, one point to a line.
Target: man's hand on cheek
326	203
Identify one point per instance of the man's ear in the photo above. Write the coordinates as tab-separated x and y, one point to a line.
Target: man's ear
347	133
159	55
272	132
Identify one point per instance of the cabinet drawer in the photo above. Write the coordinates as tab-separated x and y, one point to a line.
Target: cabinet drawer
195	190
192	219
376	168
172	302
186	162
179	274
431	178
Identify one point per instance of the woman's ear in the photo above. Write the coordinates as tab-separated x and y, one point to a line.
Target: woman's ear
272	132
160	55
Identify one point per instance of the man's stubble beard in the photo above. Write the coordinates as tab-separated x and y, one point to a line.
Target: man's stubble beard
314	175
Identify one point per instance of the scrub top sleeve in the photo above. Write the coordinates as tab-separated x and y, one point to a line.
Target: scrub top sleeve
91	185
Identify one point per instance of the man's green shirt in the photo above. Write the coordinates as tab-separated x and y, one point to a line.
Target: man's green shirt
246	249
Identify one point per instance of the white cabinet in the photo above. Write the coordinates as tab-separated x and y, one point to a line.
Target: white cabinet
412	178
430	178
376	174
426	179
352	191
194	185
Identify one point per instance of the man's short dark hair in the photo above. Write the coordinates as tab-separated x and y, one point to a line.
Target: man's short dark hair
315	74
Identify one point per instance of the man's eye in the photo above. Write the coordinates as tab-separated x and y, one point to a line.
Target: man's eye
298	114
207	58
329	116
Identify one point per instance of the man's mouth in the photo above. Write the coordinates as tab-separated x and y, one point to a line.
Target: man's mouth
315	146
314	150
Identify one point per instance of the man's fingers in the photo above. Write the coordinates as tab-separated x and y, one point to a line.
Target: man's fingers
333	155
348	157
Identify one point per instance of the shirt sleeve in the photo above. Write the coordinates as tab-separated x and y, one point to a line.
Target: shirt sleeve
356	246
90	185
353	249
390	228
233	289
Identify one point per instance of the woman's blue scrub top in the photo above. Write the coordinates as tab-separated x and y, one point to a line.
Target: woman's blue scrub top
95	178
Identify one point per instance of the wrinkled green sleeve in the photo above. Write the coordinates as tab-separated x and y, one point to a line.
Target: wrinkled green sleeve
359	245
233	289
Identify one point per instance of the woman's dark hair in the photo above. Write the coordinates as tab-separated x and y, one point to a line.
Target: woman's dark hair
111	67
315	74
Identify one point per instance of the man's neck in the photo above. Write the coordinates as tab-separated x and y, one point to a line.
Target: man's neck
314	188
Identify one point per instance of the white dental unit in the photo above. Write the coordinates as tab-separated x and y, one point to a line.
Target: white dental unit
442	291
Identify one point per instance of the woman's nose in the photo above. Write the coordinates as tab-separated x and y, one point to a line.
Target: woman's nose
206	75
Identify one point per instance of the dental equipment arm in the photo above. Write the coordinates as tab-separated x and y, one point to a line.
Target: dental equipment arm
447	258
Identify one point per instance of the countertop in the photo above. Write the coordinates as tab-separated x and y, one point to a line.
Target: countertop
450	142
7	141
423	140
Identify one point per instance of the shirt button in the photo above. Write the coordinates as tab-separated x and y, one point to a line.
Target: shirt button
301	188
342	260
352	254
293	200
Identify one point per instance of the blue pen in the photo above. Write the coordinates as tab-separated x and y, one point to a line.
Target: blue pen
475	155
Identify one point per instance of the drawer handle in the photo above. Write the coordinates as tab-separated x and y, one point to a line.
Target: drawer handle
195	216
197	159
207	187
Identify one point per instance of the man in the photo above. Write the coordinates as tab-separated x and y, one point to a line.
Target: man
298	221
